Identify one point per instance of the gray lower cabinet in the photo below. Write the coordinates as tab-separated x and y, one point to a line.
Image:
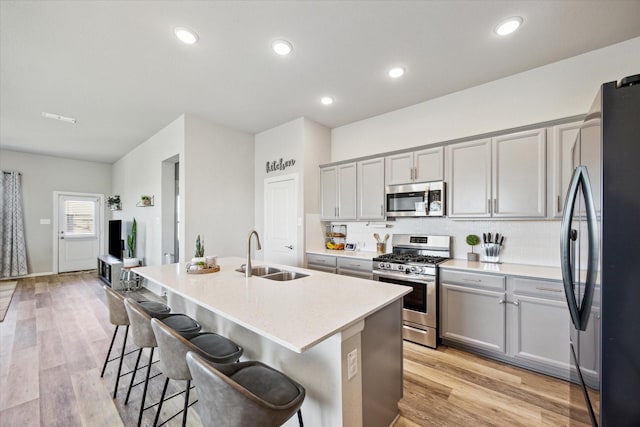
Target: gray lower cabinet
526	322
324	263
471	314
355	268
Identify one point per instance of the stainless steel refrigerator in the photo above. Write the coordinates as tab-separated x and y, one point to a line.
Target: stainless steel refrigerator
600	259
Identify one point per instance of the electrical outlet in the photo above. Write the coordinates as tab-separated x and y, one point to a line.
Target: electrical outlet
352	364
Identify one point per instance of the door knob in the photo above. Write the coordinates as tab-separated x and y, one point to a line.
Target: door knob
290	247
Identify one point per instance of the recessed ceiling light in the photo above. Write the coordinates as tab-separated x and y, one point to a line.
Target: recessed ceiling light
186	35
59	117
327	100
282	47
508	26
396	72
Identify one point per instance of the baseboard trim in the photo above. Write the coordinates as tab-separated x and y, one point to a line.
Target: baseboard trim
50	273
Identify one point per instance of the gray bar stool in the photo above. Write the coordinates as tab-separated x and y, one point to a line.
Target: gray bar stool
118	317
173	349
244	394
143	337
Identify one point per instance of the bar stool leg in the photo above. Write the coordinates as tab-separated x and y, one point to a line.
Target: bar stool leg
124	345
144	390
186	404
106	360
300	418
164	392
133	376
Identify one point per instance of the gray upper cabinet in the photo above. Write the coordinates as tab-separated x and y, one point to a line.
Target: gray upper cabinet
371	189
416	166
501	177
519	174
469	178
338	192
562	139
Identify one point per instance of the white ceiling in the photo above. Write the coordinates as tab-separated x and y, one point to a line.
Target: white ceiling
117	68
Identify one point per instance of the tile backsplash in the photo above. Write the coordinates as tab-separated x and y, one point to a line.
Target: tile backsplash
526	242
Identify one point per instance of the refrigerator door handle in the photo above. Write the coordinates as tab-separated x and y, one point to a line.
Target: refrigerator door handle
579	314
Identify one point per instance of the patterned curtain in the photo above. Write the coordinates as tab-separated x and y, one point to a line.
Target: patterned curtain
13	261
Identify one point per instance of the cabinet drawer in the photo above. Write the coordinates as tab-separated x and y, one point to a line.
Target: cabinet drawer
326	260
538	288
489	281
355	264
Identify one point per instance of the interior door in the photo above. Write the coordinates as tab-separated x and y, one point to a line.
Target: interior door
79	232
281	220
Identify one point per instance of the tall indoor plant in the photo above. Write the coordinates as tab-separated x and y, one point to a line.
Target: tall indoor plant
132	239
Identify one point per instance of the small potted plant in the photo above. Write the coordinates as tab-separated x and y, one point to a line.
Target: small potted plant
146	200
114	203
131	260
199	260
472	240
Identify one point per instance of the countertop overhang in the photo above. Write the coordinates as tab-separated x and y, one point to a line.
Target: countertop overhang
296	314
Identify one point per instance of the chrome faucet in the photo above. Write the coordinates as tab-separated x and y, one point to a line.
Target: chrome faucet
247	267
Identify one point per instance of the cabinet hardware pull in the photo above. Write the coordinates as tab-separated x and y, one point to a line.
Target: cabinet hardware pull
414	329
289	247
516	302
415	174
549	289
558	205
411	173
472	280
489	203
495	206
381	210
501	301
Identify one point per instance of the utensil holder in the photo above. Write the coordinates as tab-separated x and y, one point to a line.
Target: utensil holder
381	248
491	252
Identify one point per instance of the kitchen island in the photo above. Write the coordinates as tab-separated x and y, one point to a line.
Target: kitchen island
338	336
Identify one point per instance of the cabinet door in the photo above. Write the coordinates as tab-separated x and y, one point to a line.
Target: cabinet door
347	191
429	164
399	169
590	156
561	142
371	189
519	174
469	172
474	317
329	193
539	329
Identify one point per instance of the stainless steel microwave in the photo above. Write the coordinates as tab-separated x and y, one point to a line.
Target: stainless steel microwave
416	200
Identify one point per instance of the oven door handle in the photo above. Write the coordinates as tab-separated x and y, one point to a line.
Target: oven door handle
412	329
403	277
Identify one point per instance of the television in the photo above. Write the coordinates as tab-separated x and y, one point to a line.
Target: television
115	238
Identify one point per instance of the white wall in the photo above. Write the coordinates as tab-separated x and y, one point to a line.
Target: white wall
219	188
308	143
41	176
140	172
562	89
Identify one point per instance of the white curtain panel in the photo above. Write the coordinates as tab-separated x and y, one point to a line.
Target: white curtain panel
12	243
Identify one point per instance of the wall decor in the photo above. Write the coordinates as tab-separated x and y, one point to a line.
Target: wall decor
279	165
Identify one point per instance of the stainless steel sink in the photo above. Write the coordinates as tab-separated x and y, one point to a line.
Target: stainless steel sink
261	270
285	276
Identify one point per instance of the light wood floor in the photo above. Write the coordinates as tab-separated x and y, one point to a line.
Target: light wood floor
56	333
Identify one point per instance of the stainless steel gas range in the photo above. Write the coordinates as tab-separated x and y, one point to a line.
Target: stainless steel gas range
414	262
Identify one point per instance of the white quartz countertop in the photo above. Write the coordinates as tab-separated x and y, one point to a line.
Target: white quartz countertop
524	270
297	314
346	254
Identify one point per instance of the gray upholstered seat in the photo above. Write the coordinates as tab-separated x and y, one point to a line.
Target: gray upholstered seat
173	348
118	317
143	337
244	394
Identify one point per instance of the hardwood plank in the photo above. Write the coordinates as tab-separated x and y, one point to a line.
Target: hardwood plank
99	410
58	406
25	415
21	384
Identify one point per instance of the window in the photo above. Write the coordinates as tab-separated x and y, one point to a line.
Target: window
79	218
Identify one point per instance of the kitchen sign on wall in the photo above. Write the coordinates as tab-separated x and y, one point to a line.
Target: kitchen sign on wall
279	165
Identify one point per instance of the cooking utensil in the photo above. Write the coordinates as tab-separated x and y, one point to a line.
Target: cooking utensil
484	238
386	237
489	237
501	240
377	236
497	238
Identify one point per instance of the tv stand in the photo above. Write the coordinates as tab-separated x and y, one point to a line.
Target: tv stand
109	269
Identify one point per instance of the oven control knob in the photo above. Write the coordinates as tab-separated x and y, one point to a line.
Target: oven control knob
416	269
387	265
401	268
381	265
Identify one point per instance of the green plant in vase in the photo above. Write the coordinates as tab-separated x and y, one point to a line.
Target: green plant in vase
199	259
132	241
472	240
